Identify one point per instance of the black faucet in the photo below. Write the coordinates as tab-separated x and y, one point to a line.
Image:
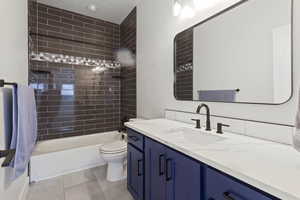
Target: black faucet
220	126
208	128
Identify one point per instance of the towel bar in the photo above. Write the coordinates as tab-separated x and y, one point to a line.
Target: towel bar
3	83
8	155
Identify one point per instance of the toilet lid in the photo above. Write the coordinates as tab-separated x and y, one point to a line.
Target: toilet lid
117	146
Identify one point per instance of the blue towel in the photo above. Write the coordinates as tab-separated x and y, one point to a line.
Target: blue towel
24	134
217	95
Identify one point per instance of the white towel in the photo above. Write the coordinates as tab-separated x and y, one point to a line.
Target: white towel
296	136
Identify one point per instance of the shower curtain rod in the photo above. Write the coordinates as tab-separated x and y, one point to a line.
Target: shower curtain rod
65	39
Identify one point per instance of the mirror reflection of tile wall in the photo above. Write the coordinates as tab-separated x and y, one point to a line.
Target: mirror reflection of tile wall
184	65
128	85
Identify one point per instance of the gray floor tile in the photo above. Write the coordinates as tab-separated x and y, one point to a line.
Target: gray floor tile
49	189
54	185
45	196
100	172
105	185
77	178
86	191
119	192
85	185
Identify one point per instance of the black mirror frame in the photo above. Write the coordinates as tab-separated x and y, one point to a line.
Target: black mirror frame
218	14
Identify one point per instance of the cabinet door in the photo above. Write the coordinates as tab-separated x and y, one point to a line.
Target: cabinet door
135	172
155	185
183	177
219	186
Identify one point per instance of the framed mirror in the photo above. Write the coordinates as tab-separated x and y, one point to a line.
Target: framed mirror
241	55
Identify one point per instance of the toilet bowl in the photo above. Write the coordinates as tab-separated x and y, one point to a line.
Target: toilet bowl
115	155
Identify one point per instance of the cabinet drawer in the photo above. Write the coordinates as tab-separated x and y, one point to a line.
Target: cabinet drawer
219	186
135	139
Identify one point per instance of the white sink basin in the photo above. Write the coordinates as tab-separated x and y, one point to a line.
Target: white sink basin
193	136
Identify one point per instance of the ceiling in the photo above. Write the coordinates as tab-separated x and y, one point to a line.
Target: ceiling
109	10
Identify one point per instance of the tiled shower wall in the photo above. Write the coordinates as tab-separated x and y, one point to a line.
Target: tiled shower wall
32	25
184	55
73	100
128	86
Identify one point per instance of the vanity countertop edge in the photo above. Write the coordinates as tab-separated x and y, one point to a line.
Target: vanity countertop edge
266	165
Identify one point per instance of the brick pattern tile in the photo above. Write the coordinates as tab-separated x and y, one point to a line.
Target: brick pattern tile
73	100
128	84
56	22
184	54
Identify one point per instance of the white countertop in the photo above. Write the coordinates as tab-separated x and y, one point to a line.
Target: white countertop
271	167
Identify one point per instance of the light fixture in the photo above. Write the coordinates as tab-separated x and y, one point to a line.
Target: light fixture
177	8
203	4
186	8
92	7
187	12
197	3
183	8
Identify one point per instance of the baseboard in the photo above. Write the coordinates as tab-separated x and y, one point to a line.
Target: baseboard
25	190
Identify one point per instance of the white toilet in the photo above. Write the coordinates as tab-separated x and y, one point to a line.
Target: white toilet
115	155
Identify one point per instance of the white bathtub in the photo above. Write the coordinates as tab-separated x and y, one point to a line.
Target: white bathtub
57	157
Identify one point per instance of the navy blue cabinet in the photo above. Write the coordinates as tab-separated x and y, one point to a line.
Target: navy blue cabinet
135	172
155	156
136	139
220	186
170	175
183	177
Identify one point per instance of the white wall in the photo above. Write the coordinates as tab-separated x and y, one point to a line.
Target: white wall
13	41
156	30
242	40
13	67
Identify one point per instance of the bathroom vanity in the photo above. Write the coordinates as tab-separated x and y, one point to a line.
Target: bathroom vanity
173	161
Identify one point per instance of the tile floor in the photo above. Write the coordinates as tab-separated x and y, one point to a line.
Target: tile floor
85	185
